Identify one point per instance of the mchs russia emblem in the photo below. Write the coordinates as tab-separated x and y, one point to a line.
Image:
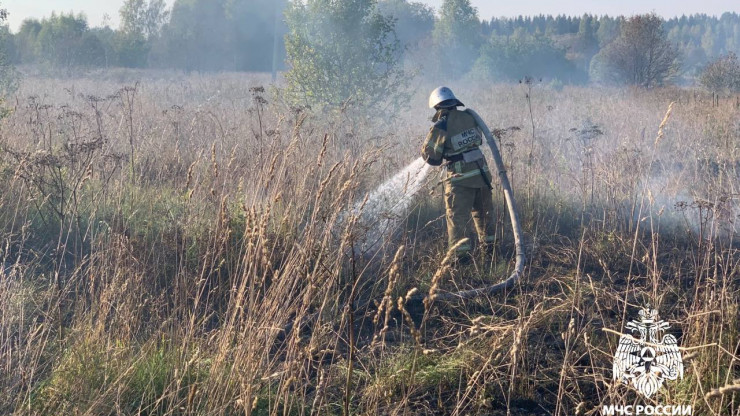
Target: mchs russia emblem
644	359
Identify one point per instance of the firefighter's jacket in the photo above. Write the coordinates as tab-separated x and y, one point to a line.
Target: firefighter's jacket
454	140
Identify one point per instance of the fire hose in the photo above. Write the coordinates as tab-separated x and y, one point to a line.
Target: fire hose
515	225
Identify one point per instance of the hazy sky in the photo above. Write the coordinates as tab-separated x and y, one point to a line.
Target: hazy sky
96	9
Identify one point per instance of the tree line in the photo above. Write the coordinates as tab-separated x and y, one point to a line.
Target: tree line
453	42
194	35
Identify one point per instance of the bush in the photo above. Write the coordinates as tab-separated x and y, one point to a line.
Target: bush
722	75
510	58
341	52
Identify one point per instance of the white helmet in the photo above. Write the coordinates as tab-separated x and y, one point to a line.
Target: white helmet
440	95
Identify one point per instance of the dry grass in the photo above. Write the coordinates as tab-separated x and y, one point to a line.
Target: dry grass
187	246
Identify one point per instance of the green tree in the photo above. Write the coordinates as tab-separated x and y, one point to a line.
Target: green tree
640	55
143	18
413	24
131	50
588	42
141	24
64	41
8	75
608	30
26	41
340	52
414	21
457	38
107	38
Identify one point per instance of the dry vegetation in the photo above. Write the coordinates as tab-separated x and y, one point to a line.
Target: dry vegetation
187	246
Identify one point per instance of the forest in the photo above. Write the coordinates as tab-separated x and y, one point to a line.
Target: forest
248	35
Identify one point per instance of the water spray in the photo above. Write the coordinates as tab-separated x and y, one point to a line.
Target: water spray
384	208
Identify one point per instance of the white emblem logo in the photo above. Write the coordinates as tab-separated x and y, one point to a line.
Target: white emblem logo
647	361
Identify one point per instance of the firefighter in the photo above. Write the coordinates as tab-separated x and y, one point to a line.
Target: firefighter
453	142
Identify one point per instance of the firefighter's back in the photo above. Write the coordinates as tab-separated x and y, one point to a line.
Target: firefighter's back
464	160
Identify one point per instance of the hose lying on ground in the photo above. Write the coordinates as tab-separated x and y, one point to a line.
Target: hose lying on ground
516	227
517	231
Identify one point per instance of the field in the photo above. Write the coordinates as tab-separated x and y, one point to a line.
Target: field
191	245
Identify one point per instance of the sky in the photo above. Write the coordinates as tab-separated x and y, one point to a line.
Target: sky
97	9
